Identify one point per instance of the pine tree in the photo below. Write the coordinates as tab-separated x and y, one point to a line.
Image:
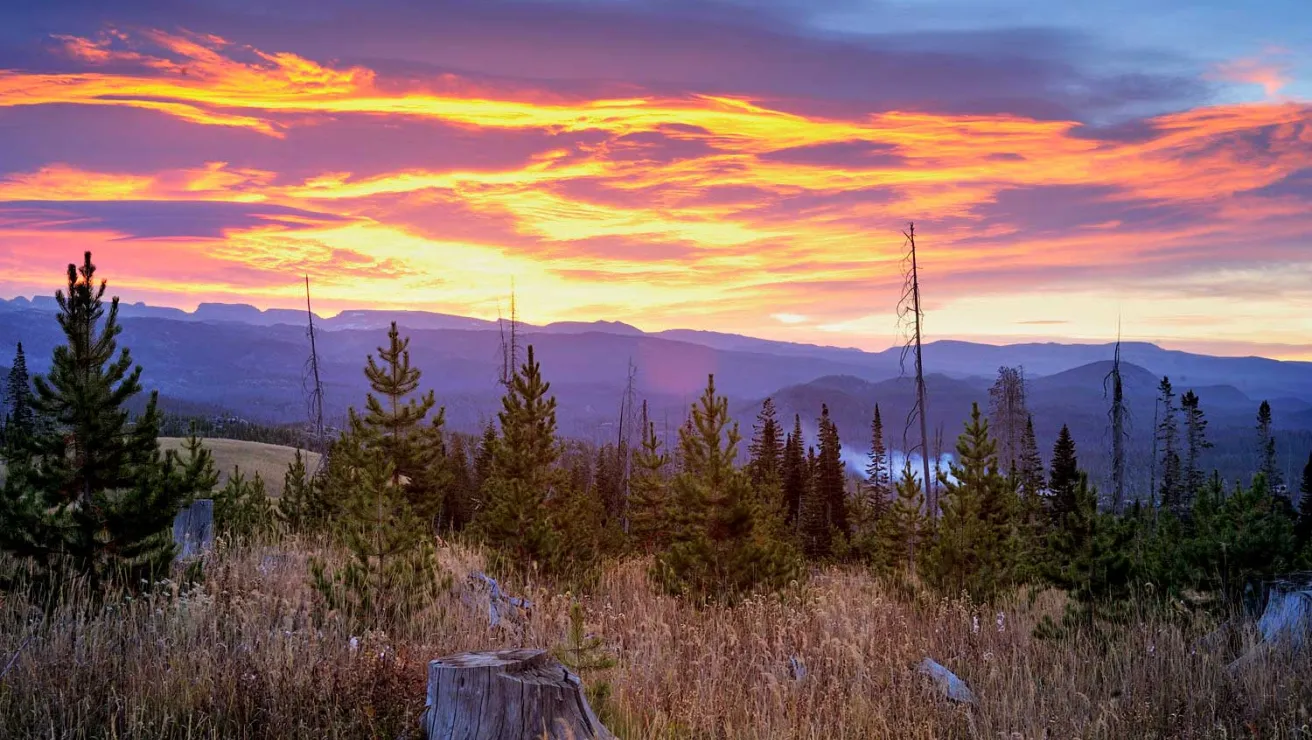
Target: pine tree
795	474
767	448
1266	447
975	551
826	518
515	520
817	534
1171	489
1064	477
391	426
241	507
1304	526
649	505
393	571
1195	427
879	472
91	491
721	548
19	421
903	530
483	456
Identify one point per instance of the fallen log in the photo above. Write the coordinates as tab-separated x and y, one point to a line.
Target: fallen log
507	695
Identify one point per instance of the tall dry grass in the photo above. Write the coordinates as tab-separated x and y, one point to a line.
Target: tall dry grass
245	655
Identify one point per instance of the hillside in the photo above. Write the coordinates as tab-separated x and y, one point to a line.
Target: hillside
269	461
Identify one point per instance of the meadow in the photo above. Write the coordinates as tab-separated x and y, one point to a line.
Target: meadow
244	653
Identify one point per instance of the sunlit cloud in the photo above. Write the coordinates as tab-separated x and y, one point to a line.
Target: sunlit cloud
662	209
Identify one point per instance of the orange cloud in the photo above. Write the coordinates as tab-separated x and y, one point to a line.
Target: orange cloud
702	209
1268	71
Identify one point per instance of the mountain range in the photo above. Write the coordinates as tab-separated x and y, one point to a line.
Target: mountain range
240	360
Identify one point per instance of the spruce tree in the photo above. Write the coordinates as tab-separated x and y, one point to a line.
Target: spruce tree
91	491
392	572
795	474
975	551
1195	428
483	454
649	506
20	421
721	547
1304	526
515	520
1030	478
1266	447
1064	477
1171	497
826	519
817	534
462	492
767	447
879	472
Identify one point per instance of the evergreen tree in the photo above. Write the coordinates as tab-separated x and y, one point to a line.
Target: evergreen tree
1007	415
767	448
1030	474
301	508
649	506
903	530
391	426
91	490
1065	476
1089	557
19	421
1241	541
817	534
1195	427
795	474
608	480
1266	447
829	488
515	520
392	572
1171	497
879	474
241	507
458	507
1304	526
721	548
483	456
975	551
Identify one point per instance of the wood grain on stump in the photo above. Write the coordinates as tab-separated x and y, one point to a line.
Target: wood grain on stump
507	695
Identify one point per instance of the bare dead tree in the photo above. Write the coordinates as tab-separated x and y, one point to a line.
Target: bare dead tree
509	345
314	386
911	317
627	402
1117	416
1008	415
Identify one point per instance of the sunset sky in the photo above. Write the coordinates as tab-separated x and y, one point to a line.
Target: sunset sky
727	165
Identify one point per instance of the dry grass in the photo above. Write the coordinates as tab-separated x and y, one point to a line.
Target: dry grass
244	656
270	461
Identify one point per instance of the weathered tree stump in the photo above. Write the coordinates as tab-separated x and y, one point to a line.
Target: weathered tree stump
193	529
507	695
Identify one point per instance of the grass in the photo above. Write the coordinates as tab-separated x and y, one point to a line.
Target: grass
244	655
270	461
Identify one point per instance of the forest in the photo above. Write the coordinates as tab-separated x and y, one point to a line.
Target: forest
739	580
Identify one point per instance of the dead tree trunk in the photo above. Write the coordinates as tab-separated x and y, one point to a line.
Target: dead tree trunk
507	695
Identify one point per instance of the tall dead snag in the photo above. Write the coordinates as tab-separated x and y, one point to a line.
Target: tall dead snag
911	316
314	387
624	434
509	345
507	695
1008	416
1117	416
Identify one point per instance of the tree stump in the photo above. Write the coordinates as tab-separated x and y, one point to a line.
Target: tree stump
193	529
507	695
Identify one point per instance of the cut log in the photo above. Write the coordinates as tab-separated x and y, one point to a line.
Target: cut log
507	695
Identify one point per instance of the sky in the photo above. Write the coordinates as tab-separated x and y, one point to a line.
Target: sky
726	165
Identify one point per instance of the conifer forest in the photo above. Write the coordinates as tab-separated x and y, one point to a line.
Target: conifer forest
726	578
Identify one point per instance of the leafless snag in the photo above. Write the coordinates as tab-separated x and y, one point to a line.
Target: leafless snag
1117	416
910	318
313	386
